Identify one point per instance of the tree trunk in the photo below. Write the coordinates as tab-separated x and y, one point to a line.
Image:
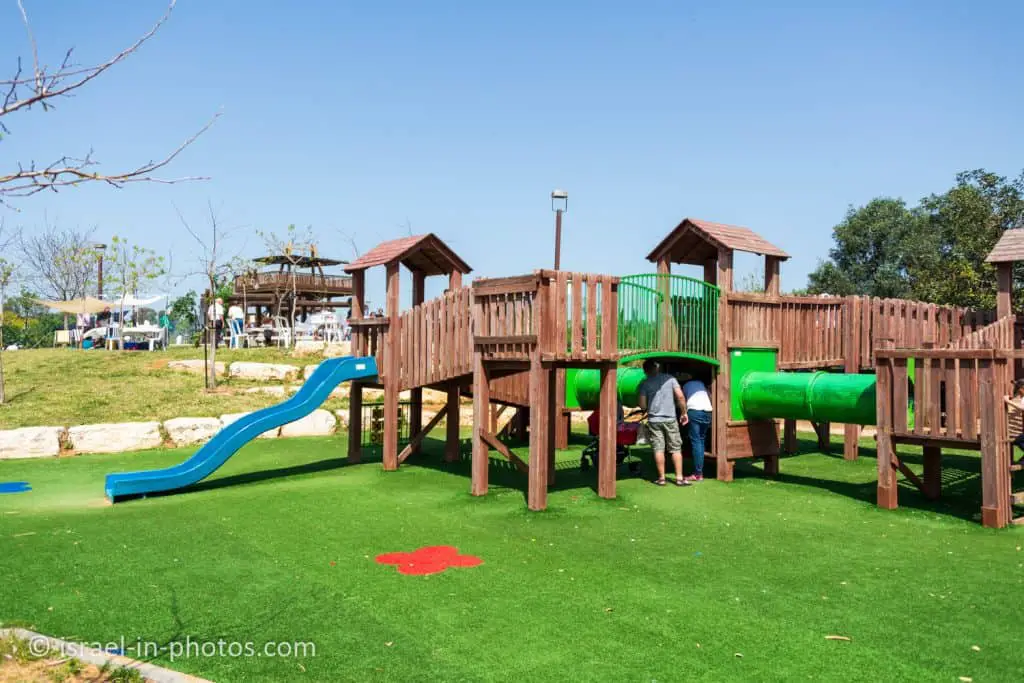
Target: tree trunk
3	388
211	337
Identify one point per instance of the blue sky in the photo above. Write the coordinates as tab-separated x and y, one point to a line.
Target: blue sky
460	118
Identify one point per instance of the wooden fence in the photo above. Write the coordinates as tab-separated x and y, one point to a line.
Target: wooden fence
1001	334
814	332
809	331
945	395
435	340
582	316
506	316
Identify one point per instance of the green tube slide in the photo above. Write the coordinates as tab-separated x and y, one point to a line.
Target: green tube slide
814	396
583	387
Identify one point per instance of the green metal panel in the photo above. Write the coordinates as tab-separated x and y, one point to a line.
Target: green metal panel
742	362
814	396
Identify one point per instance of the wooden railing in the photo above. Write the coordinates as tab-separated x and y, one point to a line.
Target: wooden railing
368	339
951	394
999	335
912	324
809	331
303	282
581	316
506	316
816	332
435	340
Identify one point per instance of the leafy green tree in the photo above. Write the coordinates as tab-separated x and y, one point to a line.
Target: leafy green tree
185	311
961	227
870	252
933	252
131	267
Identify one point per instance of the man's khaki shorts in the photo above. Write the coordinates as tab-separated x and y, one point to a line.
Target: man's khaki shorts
662	434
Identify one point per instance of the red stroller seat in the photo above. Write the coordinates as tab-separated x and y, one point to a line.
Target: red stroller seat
626	434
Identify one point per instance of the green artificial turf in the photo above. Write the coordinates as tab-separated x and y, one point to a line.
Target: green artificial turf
724	582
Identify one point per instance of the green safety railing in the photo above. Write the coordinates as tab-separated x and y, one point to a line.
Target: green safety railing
671	314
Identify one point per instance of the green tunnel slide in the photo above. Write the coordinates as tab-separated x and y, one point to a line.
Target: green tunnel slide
758	391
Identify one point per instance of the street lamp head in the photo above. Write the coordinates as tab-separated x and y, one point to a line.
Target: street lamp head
99	246
559	200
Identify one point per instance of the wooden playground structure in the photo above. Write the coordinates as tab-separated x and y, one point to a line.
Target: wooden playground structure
509	341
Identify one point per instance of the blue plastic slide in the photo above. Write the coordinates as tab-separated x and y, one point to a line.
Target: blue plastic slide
227	441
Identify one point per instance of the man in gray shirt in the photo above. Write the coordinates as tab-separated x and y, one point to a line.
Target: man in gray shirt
662	398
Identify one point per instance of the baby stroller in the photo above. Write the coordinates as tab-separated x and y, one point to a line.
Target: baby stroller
626	435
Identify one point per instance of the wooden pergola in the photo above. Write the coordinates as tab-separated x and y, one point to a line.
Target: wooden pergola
298	285
711	245
424	256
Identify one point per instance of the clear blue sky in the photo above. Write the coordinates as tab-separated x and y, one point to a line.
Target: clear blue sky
461	117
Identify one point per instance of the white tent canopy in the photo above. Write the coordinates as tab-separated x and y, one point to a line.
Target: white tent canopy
136	301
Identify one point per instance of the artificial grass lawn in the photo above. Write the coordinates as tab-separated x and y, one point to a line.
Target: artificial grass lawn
663	584
68	386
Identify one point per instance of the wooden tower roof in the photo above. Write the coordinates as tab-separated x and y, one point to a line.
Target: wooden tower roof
696	241
426	253
1009	248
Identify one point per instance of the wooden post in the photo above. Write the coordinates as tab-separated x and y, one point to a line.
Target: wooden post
720	416
789	436
391	371
355	423
481	418
606	433
358	304
932	472
711	272
553	419
537	494
451	446
454	280
416	395
887	492
851	355
562	418
824	430
995	460
1004	292
772	284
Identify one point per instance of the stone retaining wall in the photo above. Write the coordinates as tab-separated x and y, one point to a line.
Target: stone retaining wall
42	442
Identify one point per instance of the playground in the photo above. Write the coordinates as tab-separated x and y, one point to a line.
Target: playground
794	563
739	582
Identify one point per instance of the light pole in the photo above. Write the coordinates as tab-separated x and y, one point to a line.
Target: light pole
559	204
99	275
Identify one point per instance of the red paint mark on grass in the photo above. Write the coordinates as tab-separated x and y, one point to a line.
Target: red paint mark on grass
429	560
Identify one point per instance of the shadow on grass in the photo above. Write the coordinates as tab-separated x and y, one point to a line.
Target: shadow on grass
961	479
961	473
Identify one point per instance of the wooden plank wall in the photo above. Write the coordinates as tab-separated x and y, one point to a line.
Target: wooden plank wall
812	332
583	308
434	340
946	392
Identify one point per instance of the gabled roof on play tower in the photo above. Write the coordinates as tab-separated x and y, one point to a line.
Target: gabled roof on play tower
697	241
1009	248
426	253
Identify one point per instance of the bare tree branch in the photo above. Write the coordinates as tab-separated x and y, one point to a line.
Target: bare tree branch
41	88
72	171
60	263
46	86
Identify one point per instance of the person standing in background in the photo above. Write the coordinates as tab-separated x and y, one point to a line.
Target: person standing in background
236	318
697	421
